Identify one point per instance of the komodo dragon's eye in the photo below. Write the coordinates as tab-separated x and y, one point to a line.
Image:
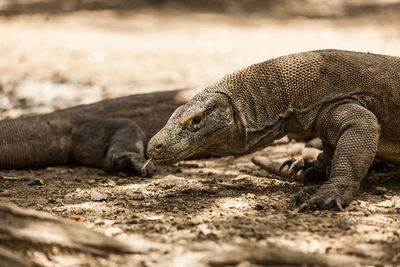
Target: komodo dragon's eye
196	120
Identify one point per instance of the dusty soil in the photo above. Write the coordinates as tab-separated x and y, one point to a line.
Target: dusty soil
51	62
208	204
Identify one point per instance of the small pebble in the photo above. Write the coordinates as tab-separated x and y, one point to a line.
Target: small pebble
122	181
367	213
381	189
137	196
92	181
111	183
6	193
96	196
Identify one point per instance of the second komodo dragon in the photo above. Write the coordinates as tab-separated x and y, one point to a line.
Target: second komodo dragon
350	100
112	133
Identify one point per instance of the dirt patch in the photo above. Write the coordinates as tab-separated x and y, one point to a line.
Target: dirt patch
208	204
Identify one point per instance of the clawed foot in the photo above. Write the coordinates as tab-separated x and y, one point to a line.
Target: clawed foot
312	173
129	161
302	170
324	197
295	166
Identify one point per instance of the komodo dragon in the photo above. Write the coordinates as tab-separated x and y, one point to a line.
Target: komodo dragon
110	134
350	100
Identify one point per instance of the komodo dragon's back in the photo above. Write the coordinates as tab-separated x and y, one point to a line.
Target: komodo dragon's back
48	139
305	81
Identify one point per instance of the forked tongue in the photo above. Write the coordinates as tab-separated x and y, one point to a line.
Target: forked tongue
147	163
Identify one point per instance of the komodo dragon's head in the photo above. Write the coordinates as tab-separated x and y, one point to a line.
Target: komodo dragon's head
243	112
206	121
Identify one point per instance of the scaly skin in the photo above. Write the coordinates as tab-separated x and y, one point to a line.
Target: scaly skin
349	99
110	134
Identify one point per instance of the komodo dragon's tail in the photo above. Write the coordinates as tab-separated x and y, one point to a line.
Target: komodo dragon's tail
33	142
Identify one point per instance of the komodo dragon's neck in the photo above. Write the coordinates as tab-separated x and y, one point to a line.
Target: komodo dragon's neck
260	106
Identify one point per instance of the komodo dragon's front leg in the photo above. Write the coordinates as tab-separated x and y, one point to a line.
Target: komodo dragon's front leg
354	132
115	144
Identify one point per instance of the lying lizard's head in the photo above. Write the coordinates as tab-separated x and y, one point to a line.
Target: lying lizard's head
200	123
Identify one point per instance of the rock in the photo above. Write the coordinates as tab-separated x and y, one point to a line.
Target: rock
136	195
155	218
381	189
96	196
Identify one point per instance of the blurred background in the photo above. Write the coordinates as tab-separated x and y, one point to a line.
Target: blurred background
60	53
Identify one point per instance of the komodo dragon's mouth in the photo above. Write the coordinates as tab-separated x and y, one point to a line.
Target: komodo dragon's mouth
173	159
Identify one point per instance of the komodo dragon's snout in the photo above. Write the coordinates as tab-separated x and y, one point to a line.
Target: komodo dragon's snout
205	119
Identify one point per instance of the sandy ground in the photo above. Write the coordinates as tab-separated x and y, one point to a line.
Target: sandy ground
58	61
51	62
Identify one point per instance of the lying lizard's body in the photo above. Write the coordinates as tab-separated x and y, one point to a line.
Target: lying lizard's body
350	100
110	134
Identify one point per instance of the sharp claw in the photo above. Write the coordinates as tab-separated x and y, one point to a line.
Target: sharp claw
326	203
316	202
287	163
339	205
295	201
326	197
296	166
304	207
311	204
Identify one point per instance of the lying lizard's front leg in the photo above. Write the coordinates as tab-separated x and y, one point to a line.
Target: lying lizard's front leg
115	144
354	131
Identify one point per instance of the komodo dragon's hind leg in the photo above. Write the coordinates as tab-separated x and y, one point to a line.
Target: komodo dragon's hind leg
114	144
304	171
316	171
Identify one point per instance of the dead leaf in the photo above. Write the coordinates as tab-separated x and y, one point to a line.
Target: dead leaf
11	178
37	182
76	218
